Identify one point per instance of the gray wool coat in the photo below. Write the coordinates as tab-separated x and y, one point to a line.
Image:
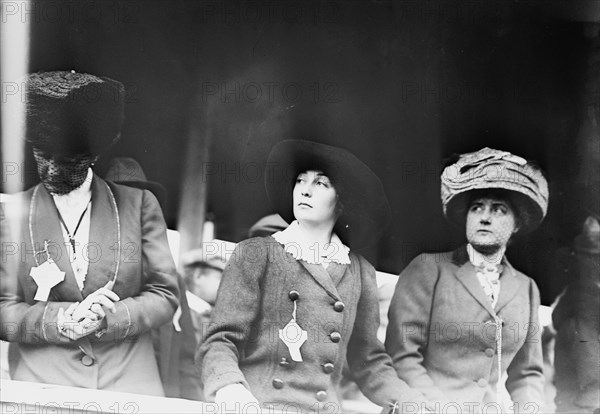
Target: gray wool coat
442	334
146	282
243	344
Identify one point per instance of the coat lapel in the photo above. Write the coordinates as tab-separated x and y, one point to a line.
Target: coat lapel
103	237
336	272
467	276
321	276
509	285
45	227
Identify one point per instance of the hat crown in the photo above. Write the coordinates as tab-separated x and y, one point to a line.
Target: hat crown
59	84
69	113
124	169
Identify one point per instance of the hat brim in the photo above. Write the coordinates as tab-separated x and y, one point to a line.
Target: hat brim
366	212
530	213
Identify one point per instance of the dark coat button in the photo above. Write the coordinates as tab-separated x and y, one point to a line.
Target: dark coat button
284	362
87	360
338	306
277	383
335	337
328	367
321	395
489	352
294	295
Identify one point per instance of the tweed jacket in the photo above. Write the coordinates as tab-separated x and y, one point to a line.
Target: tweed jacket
338	308
127	243
442	334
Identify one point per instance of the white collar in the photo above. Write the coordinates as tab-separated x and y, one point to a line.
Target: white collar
478	259
297	244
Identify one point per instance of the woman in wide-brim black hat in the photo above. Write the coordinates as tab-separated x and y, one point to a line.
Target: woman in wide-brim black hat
461	322
293	307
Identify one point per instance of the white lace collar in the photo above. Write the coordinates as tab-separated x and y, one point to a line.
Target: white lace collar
295	242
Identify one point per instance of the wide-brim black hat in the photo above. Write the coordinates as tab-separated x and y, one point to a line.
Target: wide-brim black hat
127	171
366	211
70	113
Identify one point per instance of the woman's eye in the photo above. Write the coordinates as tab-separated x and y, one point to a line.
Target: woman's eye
499	210
323	183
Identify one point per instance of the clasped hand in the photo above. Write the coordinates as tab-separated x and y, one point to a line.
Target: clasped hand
81	319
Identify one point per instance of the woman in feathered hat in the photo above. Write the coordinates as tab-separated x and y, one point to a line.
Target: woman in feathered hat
293	307
462	322
94	273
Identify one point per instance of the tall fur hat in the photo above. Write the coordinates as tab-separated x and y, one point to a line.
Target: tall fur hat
70	113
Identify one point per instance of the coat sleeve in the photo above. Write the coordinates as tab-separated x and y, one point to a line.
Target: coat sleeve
157	300
409	323
370	365
20	321
525	381
236	309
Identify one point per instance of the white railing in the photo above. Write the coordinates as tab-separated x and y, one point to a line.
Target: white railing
18	397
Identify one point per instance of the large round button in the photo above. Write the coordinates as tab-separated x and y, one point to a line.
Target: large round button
489	352
338	306
482	382
321	395
328	367
277	383
87	360
284	362
294	295
335	337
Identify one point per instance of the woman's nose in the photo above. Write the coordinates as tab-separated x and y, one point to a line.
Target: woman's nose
485	216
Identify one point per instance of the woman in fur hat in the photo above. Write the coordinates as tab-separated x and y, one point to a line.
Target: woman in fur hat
462	322
294	306
93	274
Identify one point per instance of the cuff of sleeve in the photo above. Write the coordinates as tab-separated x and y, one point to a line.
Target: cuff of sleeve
221	380
118	324
51	331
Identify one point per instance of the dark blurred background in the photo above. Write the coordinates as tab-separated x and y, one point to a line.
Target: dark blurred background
213	85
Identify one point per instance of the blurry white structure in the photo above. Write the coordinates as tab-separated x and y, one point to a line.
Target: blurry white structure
174	239
14	61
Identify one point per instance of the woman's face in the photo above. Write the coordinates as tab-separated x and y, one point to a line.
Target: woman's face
62	175
315	199
490	224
